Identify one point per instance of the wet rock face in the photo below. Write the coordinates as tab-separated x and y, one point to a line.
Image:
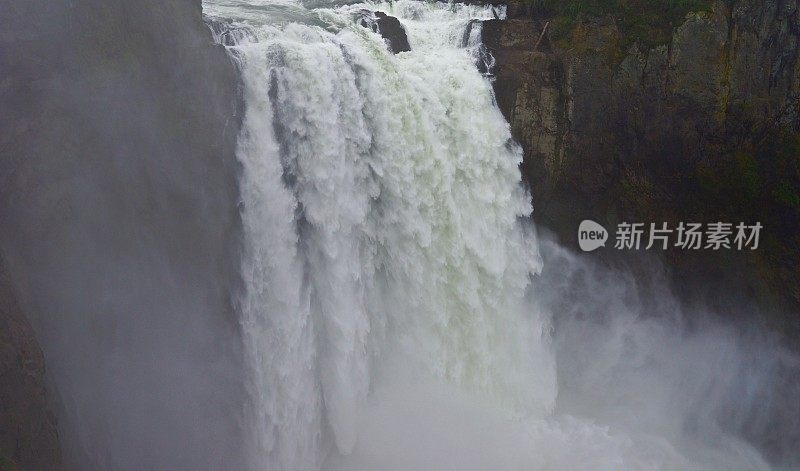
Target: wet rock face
28	434
389	28
701	128
697	59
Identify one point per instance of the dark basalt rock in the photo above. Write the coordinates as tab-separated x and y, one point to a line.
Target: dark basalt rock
28	435
389	28
703	128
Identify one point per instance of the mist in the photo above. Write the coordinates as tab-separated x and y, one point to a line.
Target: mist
300	251
644	382
118	226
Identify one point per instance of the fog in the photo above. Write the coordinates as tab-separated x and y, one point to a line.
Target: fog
644	382
358	288
118	226
633	355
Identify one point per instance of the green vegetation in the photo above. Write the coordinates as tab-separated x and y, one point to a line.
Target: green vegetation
781	151
750	180
649	22
787	195
758	181
765	174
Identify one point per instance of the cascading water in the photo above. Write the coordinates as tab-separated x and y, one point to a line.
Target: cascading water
383	213
387	310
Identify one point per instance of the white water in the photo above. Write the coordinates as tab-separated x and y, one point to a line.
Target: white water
387	309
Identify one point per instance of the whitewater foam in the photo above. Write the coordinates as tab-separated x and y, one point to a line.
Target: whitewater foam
388	316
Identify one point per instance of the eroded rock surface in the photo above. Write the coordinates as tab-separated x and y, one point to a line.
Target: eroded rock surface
702	128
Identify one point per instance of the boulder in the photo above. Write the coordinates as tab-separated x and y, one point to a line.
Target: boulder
389	28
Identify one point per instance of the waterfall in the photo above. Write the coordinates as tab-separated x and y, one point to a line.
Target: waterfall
384	217
388	312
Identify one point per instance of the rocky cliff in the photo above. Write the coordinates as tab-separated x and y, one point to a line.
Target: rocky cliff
701	127
117	221
28	435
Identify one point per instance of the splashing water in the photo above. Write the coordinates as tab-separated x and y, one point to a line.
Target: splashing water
387	312
382	211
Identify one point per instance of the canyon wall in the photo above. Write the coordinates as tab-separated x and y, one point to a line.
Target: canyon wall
28	434
703	127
